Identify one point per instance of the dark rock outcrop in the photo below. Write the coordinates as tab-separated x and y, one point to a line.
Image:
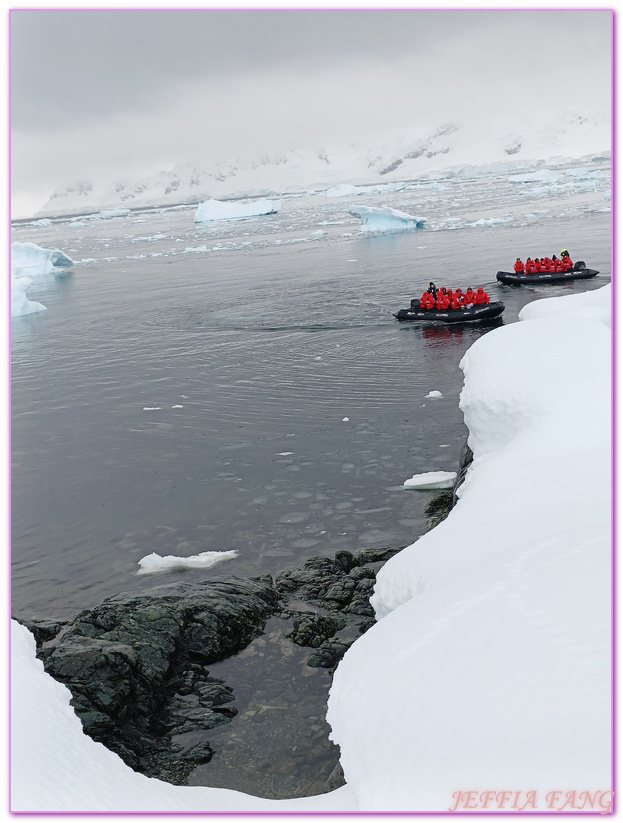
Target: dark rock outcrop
137	665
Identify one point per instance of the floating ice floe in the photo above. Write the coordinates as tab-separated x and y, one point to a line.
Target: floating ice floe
492	221
540	176
434	393
431	480
384	218
28	260
106	214
152	563
218	210
346	190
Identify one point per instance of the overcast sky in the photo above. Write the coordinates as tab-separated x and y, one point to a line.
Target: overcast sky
102	94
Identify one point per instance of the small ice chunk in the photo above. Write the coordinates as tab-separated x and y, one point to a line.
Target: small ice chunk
345	419
155	563
434	394
152	408
177	407
431	480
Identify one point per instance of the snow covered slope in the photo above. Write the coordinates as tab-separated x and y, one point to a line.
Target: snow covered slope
451	148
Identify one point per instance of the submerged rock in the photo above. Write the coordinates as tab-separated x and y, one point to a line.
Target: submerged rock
138	665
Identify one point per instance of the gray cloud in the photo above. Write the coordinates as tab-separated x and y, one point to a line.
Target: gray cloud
108	92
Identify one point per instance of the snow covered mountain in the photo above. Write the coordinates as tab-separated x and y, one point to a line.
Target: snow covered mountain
450	150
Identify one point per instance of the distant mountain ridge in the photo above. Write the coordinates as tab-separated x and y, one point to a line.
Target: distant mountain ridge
449	150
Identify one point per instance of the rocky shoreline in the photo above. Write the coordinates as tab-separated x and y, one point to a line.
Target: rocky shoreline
140	668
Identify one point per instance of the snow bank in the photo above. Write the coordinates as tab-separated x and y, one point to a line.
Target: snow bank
217	210
155	563
384	218
431	480
489	666
27	261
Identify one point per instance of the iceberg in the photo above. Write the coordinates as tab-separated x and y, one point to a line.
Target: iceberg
27	261
218	210
34	261
489	666
384	219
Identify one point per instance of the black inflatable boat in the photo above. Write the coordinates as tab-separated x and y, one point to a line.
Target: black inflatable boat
462	315
578	272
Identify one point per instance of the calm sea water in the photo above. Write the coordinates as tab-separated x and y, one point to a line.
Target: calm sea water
180	403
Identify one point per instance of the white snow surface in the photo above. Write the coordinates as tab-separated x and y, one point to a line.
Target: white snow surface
489	666
152	563
431	480
216	210
492	646
385	219
28	261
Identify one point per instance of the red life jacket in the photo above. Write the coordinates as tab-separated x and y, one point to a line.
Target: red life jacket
427	301
443	302
455	303
539	265
567	264
519	267
557	265
531	267
469	297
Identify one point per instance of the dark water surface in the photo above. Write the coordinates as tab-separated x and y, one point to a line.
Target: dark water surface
248	364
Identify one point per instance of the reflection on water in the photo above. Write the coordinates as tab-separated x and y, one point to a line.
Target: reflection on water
277	745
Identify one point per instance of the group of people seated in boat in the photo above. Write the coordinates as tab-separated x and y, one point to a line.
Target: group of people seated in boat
443	298
545	264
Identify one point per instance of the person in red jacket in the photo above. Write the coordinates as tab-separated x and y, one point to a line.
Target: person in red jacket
442	302
455	303
519	266
470	294
567	263
427	301
530	266
481	297
557	263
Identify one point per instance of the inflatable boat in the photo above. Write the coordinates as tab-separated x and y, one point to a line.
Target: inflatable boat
463	315
578	272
